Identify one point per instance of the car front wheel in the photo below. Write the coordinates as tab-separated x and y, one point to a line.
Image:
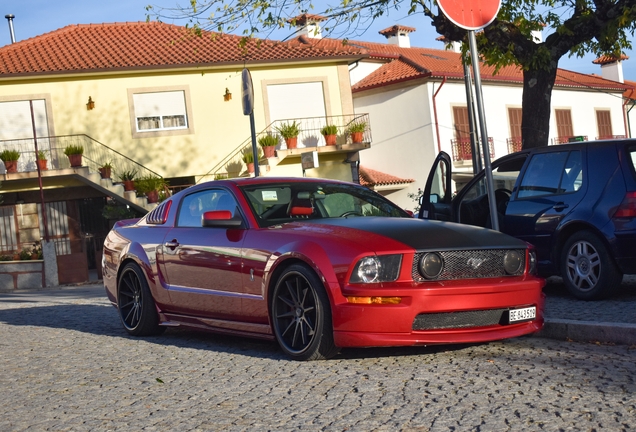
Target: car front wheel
135	303
301	315
587	269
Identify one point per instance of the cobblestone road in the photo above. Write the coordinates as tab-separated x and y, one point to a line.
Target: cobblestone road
68	365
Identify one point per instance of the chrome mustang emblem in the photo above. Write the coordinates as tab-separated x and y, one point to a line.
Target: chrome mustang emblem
475	262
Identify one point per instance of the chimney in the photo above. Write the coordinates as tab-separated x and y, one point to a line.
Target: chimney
9	18
454	46
398	35
537	36
611	67
308	25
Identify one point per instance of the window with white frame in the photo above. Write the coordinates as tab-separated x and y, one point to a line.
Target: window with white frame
158	111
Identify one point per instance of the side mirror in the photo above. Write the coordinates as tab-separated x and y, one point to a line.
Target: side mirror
221	219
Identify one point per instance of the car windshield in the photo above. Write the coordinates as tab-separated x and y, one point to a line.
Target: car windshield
279	203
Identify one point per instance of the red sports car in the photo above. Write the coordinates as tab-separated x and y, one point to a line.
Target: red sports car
317	265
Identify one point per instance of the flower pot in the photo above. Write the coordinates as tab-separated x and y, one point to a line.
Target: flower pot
356	137
11	166
269	151
153	196
129	185
292	143
75	160
105	172
250	167
42	164
330	140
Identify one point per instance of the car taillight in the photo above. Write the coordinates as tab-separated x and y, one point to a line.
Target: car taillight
627	208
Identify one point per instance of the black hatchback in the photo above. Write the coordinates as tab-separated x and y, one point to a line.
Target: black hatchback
576	203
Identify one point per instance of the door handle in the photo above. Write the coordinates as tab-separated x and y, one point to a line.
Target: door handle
171	244
560	206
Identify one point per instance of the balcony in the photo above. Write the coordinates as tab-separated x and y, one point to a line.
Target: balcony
515	144
463	153
610	137
568	139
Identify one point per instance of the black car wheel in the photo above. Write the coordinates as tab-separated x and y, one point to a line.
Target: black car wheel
301	315
587	268
135	303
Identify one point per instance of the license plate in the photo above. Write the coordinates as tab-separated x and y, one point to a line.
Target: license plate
524	314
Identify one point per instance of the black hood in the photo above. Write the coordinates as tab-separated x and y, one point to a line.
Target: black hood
429	235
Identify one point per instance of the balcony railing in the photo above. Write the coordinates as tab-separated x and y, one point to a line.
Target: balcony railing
95	154
515	144
568	139
609	137
462	150
309	137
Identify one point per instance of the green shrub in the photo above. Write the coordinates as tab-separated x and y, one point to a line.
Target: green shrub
268	140
289	130
360	126
329	130
9	155
74	150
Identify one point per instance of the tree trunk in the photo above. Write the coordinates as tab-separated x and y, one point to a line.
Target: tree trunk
535	117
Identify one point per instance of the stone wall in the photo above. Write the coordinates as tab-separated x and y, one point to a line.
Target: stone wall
21	275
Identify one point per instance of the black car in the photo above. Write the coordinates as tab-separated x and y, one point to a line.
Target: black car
576	203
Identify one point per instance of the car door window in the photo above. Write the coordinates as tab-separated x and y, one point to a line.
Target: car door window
194	205
551	174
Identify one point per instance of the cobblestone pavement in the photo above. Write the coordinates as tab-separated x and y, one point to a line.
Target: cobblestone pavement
67	364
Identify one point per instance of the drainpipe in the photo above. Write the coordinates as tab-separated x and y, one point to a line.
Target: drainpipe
439	144
9	18
628	131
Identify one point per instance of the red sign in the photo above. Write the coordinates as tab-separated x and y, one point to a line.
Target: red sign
470	14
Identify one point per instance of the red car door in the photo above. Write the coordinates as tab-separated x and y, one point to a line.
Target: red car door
202	265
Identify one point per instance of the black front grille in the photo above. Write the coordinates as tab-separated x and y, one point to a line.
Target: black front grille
468	264
452	320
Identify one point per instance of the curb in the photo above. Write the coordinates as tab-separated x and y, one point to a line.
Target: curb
589	331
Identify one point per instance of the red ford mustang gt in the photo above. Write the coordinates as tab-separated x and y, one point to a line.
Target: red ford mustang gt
317	265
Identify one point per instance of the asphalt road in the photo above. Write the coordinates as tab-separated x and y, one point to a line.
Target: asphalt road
67	364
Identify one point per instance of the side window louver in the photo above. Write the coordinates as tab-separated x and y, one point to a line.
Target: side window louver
159	215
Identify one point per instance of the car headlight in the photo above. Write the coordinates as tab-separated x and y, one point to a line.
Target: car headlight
371	269
431	265
513	262
532	265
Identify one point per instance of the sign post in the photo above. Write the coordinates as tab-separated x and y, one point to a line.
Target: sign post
247	96
474	15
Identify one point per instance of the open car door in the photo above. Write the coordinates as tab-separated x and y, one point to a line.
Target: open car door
435	202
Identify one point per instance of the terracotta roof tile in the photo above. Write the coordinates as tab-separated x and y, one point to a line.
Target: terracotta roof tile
141	45
425	62
370	178
609	59
393	30
630	92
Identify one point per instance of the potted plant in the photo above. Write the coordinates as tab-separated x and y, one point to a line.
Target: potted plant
105	170
289	132
41	160
150	185
356	130
248	158
268	142
74	153
10	159
128	179
330	133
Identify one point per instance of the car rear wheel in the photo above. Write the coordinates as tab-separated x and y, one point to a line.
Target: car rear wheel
135	303
587	268
301	315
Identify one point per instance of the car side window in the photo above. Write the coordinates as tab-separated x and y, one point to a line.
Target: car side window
194	205
548	173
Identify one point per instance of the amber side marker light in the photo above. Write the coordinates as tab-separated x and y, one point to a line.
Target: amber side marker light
374	300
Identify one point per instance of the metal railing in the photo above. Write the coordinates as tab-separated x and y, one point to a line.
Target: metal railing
232	165
94	156
609	137
568	139
515	144
462	150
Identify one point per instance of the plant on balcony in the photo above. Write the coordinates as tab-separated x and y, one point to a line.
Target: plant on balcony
41	160
356	130
74	153
268	142
150	185
330	132
128	179
248	158
289	132
10	159
106	170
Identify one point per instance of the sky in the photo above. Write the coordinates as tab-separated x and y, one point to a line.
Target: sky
36	17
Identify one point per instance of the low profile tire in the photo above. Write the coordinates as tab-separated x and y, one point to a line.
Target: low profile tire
588	271
301	315
135	303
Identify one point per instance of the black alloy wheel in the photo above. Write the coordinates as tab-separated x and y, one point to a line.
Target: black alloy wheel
587	268
301	315
135	303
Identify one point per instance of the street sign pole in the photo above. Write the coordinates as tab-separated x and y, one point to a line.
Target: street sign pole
248	109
